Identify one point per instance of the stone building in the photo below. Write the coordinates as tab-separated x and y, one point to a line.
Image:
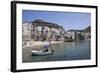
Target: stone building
75	35
39	30
26	31
79	34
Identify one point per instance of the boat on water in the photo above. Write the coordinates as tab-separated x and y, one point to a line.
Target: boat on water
45	51
41	53
68	40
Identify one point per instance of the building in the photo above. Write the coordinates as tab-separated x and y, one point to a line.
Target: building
26	31
39	30
74	34
77	35
87	33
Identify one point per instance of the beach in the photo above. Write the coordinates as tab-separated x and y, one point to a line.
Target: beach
35	44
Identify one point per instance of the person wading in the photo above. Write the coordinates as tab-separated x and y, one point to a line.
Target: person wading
47	47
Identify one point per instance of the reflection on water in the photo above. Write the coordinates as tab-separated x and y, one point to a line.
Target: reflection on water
80	50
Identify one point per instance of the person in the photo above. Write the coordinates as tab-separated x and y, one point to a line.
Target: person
46	48
50	45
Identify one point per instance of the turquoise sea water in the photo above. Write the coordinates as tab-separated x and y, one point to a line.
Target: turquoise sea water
80	50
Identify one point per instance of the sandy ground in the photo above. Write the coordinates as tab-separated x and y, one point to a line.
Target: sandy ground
40	43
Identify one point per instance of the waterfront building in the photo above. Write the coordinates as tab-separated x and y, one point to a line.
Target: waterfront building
39	30
87	33
79	34
26	31
74	34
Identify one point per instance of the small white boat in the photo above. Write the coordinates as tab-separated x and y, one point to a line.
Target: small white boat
41	53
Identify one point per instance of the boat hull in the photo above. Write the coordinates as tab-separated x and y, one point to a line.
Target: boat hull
41	53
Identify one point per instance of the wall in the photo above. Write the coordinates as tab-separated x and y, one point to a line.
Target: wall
5	37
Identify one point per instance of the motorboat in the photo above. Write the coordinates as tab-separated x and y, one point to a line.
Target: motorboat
41	53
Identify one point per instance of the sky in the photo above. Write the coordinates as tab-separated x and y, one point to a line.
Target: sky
69	20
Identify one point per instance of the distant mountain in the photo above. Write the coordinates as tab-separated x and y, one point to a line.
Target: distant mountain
88	29
75	30
40	22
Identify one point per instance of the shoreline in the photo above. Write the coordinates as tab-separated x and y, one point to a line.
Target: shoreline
40	43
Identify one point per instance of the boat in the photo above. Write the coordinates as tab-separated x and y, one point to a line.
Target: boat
68	40
41	53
